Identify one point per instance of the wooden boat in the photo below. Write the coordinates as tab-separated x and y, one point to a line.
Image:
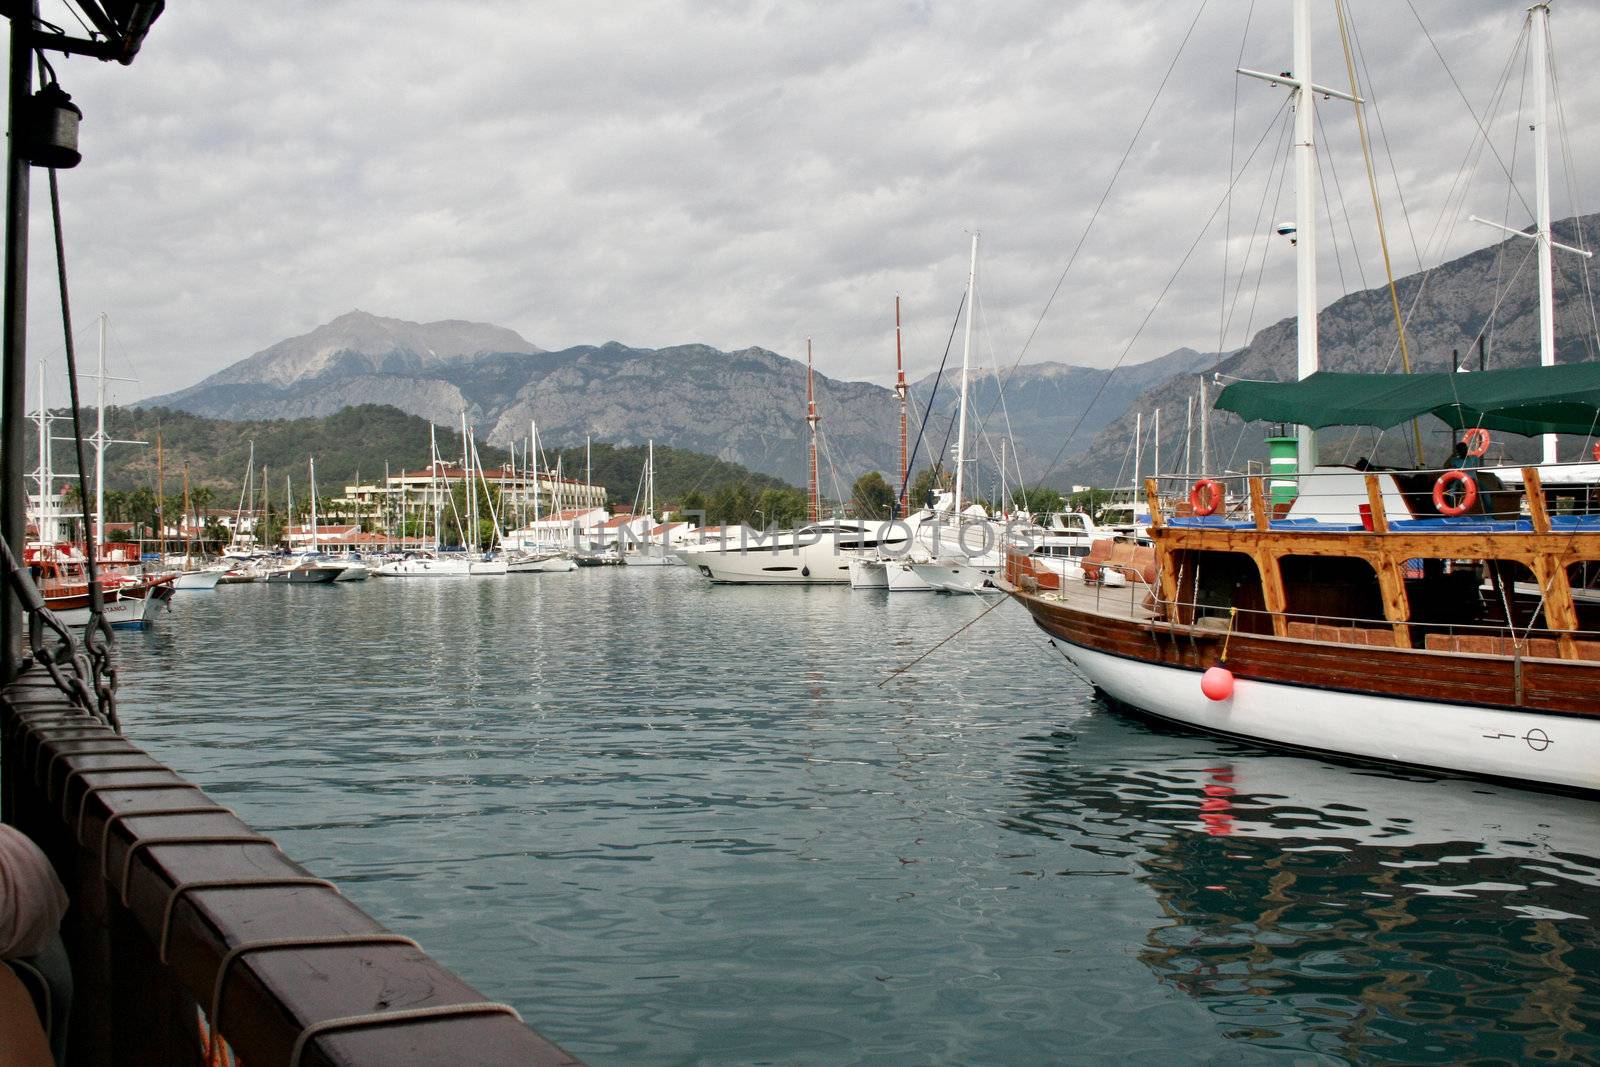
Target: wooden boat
1367	613
1409	642
126	599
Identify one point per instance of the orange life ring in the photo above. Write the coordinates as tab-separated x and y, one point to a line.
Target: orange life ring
1205	497
1477	441
1469	495
1595	451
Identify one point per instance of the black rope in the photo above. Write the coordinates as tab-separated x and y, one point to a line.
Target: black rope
911	460
97	635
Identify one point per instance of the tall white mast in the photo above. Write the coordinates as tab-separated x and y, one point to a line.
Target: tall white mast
1540	14
1205	422
96	529
46	529
650	491
533	459
966	360
1138	449
311	469
1155	441
1305	152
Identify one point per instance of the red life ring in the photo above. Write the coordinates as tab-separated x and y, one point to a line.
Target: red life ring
1595	451
1469	495
1205	497
1477	441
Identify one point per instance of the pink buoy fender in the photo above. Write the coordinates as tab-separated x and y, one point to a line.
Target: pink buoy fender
1217	683
1441	492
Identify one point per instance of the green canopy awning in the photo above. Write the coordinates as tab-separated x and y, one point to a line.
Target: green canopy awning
1523	400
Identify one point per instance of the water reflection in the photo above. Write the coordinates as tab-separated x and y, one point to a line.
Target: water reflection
1358	913
673	823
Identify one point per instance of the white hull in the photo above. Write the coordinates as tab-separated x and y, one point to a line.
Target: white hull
1556	750
950	576
821	563
868	573
353	572
123	613
478	568
639	559
541	565
197	580
423	568
902	578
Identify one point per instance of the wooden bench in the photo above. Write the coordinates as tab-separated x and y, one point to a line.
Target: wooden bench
1381	636
1487	645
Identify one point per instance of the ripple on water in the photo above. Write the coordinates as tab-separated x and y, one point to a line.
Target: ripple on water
674	823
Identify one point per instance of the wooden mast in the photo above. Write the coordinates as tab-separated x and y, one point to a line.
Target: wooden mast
900	391
812	418
161	492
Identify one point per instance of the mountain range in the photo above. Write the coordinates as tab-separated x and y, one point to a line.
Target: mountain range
1068	423
745	407
1492	293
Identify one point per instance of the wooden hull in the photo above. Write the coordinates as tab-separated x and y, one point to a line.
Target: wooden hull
1535	721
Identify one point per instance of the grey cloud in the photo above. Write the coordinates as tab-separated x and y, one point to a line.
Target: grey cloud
732	173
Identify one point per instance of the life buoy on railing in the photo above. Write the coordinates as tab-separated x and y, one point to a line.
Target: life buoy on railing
1595	451
1477	441
1441	490
1206	496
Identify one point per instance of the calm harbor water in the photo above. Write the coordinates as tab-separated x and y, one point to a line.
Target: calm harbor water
680	824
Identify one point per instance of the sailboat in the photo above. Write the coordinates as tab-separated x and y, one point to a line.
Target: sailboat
650	553
310	567
538	558
1435	619
424	563
961	554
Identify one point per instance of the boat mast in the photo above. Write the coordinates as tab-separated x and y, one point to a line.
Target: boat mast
966	359
1138	448
188	521
244	493
900	391
97	530
533	462
46	526
1205	422
1305	152
311	470
161	500
650	490
1540	14
812	418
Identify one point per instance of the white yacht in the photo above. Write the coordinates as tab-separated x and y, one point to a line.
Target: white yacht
425	565
815	554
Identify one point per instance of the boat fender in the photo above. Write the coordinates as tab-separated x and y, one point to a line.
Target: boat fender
1477	441
805	572
1206	496
1441	489
1217	683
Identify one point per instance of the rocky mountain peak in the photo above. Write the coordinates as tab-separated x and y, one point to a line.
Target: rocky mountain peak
359	342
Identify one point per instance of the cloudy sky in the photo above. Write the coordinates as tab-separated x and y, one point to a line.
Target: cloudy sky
754	173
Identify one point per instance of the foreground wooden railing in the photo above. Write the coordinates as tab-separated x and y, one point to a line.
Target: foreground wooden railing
184	917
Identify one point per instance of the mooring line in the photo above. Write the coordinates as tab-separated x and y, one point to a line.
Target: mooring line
901	670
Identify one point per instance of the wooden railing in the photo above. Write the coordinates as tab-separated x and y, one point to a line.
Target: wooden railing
183	918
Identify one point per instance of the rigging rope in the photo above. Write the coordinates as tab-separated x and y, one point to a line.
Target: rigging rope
97	634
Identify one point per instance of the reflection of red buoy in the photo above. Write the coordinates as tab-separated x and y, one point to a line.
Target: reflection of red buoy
1217	683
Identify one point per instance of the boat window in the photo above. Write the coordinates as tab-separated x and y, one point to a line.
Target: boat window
1584	579
1217	581
1473	597
1335	589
